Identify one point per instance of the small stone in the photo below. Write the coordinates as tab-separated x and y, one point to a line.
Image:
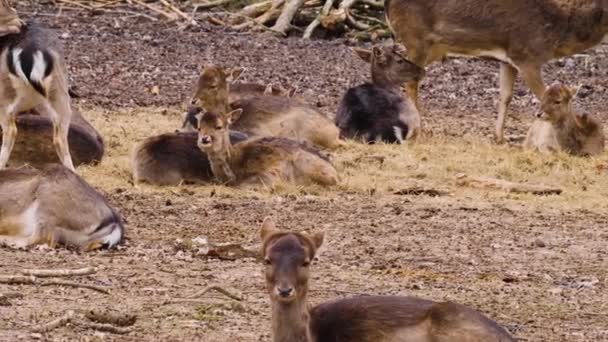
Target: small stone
540	243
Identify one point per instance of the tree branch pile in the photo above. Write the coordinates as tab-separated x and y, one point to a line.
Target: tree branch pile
360	19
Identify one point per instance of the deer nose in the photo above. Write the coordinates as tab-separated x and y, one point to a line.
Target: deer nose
285	292
205	140
539	114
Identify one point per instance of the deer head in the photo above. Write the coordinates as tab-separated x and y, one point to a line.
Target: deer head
212	88
556	103
388	66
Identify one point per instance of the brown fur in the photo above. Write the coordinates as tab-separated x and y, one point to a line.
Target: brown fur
54	206
359	319
9	20
260	161
560	128
266	115
238	91
526	33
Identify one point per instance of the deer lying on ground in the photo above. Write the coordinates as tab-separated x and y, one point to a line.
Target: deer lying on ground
522	34
34	147
359	319
263	161
378	111
265	115
55	206
33	75
173	158
238	91
559	128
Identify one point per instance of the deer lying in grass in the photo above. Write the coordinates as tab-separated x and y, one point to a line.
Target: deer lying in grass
560	128
173	158
263	161
265	115
360	319
238	91
32	75
522	34
55	206
34	142
378	111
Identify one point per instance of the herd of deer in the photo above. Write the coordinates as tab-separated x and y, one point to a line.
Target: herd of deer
248	134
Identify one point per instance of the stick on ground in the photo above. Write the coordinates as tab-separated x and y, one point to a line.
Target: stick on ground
499	184
54	324
218	289
31	280
43	273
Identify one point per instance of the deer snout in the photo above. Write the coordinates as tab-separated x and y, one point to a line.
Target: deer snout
205	140
285	292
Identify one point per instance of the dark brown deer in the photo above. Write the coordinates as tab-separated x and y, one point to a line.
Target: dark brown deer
262	161
55	206
288	256
378	111
33	75
265	115
560	128
522	34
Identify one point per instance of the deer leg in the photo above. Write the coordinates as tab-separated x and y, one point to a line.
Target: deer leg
508	73
60	113
8	123
532	77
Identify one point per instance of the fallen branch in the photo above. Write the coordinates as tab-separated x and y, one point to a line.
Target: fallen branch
323	13
31	280
290	10
59	272
218	289
54	324
499	184
106	328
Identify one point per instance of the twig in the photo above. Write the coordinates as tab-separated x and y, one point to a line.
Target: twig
106	328
23	280
179	12
218	289
153	9
212	4
54	324
60	272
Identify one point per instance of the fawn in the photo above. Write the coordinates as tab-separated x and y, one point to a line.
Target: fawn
260	161
522	34
559	128
265	115
55	206
32	75
378	111
287	257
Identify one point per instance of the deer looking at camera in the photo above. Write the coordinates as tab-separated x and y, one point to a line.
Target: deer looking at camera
522	34
55	206
32	75
287	257
258	161
560	128
378	111
264	115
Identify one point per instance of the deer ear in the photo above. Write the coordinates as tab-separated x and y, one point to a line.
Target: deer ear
378	54
268	228
234	74
291	92
364	54
268	89
234	115
318	238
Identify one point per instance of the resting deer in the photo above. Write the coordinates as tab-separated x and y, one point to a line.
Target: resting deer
33	75
260	161
358	319
560	128
522	34
378	111
264	115
55	206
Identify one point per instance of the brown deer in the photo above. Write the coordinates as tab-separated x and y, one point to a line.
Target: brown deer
378	111
263	161
265	115
55	206
522	34
33	75
560	128
288	256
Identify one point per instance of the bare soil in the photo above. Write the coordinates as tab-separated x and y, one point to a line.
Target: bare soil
538	265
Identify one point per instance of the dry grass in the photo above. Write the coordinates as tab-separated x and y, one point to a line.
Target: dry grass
382	169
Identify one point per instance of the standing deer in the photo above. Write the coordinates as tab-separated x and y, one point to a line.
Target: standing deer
560	128
378	111
264	115
287	257
32	75
263	161
55	206
522	34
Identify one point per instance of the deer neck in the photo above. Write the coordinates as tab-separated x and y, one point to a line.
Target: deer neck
221	163
290	321
385	82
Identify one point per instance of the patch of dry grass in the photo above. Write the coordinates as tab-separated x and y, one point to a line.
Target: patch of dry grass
432	162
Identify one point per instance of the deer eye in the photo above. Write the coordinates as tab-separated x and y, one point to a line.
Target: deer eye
557	101
267	262
306	264
218	127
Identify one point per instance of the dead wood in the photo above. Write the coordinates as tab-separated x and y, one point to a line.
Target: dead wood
499	184
42	273
106	328
417	191
218	289
31	280
111	317
54	324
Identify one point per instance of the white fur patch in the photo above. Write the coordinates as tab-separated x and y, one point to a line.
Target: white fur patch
114	237
17	64
398	134
29	220
39	67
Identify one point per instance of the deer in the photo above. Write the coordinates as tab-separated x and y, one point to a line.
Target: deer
522	35
560	128
264	115
55	206
32	75
287	268
173	159
378	111
260	161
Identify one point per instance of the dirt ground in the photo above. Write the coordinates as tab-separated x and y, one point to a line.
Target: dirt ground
537	265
